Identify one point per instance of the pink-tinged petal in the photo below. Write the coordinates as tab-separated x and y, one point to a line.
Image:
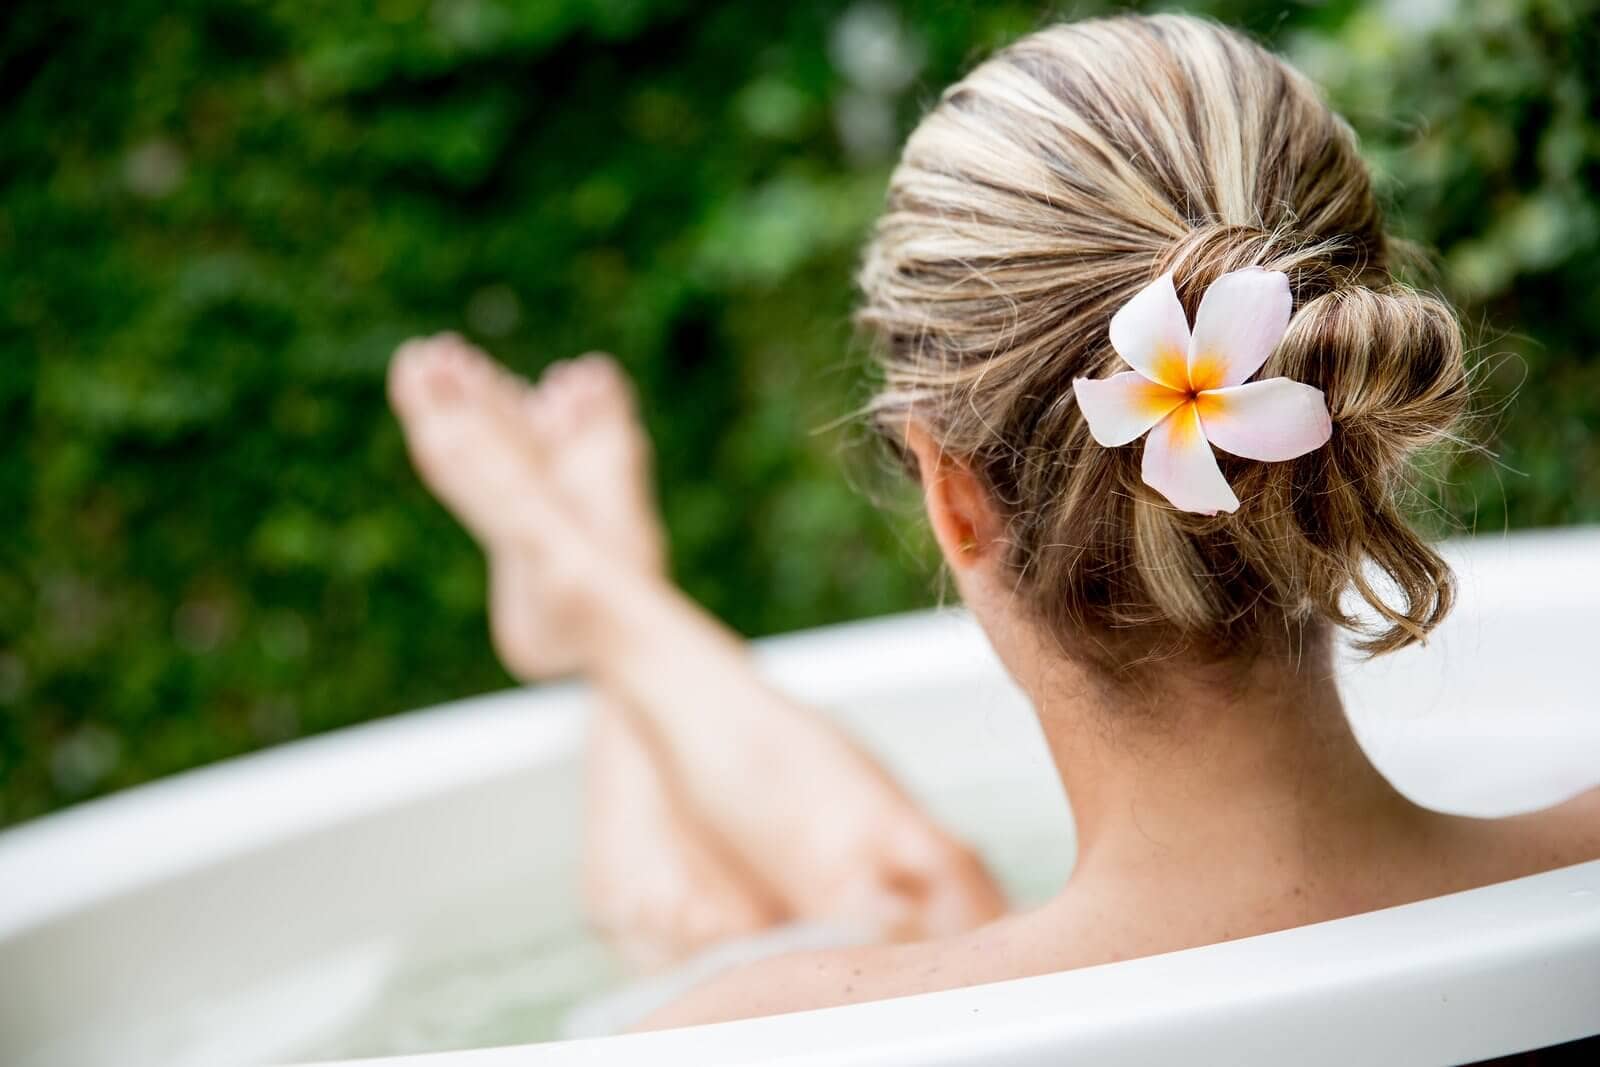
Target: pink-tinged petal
1179	464
1123	406
1151	333
1241	320
1272	420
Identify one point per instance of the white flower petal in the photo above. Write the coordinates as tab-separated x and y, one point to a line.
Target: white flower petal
1241	319
1123	406
1179	464
1272	420
1151	333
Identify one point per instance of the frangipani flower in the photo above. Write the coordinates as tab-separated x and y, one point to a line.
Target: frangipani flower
1190	390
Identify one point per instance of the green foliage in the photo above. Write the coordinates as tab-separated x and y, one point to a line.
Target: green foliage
1480	118
217	219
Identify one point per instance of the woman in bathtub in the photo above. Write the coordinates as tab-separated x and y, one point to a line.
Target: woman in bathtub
1140	344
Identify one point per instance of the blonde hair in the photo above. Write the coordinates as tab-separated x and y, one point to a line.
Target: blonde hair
1041	193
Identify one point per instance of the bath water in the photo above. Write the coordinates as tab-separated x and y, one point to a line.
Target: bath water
510	994
519	990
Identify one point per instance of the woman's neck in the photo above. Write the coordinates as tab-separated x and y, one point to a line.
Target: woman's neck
1207	773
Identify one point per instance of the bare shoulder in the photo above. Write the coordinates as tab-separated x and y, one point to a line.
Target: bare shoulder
824	979
1544	840
1574	827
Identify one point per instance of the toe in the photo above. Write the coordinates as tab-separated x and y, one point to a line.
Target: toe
604	381
443	377
472	369
556	374
425	373
421	379
472	376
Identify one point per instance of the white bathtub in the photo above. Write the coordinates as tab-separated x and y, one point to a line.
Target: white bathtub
247	912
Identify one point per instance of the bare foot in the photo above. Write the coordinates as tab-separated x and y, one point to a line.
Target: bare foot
470	430
465	442
654	881
598	455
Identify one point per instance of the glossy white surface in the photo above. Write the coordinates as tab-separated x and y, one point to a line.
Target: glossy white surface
245	912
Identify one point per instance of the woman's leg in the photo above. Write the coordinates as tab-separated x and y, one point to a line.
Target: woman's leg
814	817
656	885
654	882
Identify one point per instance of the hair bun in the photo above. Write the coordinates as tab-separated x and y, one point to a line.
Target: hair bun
1390	362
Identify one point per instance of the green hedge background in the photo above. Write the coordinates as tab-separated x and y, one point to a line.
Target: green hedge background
217	219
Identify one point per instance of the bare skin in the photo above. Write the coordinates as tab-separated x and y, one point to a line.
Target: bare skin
670	866
1246	808
1233	810
464	417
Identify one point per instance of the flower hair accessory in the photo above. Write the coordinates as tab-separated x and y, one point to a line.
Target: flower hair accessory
1190	390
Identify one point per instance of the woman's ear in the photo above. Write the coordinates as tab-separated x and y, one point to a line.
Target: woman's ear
960	509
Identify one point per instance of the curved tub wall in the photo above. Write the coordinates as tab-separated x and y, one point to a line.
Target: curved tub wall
1510	674
236	913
